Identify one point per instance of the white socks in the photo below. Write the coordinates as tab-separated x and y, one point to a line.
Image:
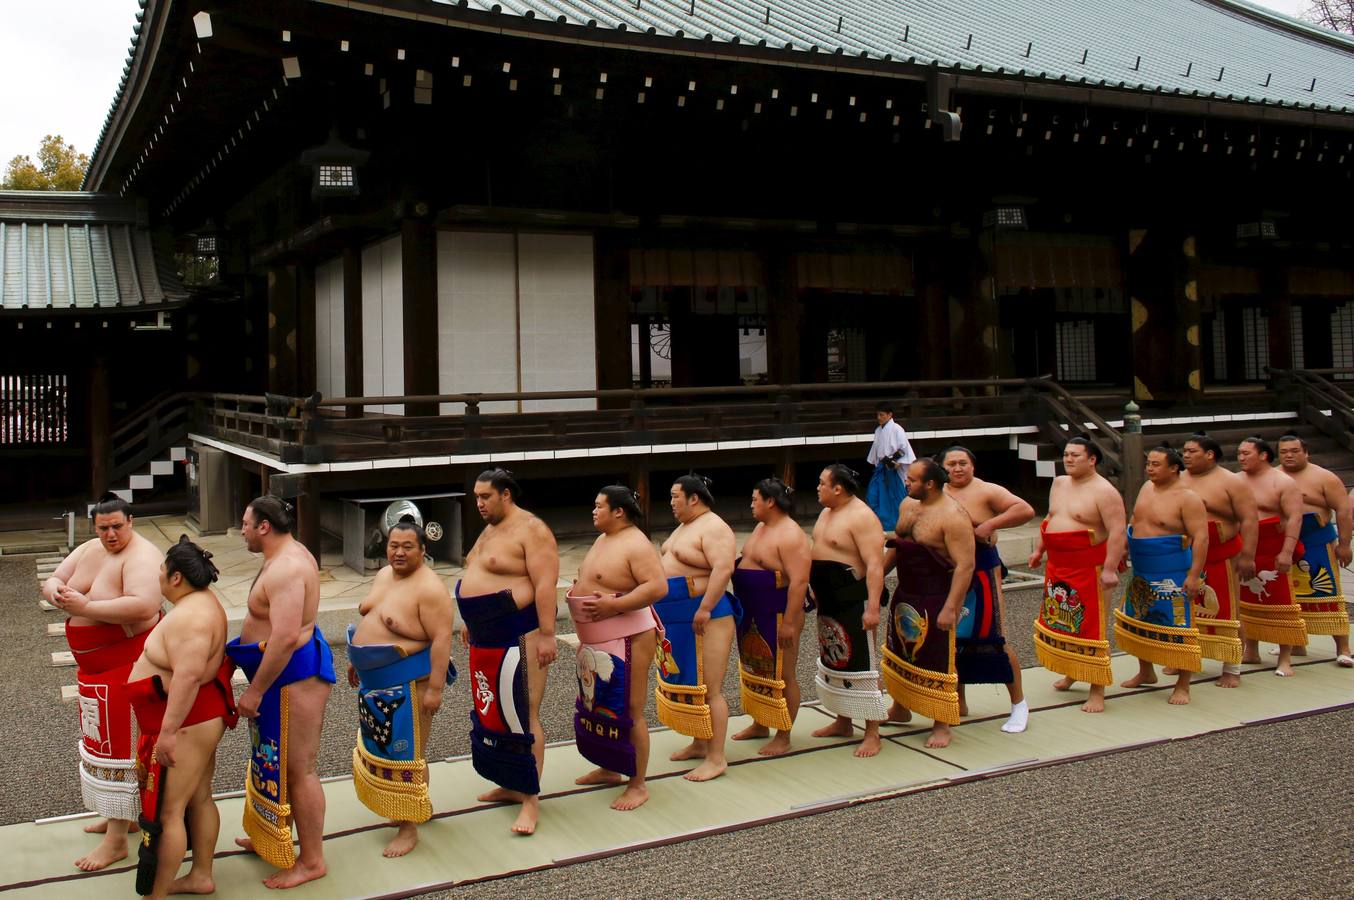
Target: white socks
1020	717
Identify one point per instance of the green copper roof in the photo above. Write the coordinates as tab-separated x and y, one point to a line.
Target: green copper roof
1226	49
75	250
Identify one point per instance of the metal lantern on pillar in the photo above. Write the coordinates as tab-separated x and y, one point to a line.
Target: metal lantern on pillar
334	166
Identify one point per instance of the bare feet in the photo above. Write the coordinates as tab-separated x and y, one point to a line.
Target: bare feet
245	843
1284	670
1228	680
526	819
1064	684
693	750
502	795
193	883
899	714
963	707
706	771
110	850
1180	696
632	797
755	730
297	874
1169	670
839	728
869	746
405	839
777	745
1250	657
940	737
1139	680
1096	702
600	776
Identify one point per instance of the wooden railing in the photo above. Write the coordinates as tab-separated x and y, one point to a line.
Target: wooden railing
350	428
148	432
1313	392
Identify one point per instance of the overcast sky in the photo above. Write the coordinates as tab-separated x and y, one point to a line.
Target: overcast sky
58	73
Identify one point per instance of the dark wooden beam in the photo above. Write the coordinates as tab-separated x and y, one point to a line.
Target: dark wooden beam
100	443
418	268
1163	291
352	326
306	351
611	310
282	326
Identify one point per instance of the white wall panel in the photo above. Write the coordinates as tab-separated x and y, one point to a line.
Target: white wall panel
558	336
383	322
476	316
329	347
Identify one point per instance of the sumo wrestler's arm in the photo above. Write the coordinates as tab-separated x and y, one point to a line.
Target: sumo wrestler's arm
1338	500
57	580
542	557
870	546
797	558
1011	511
1290	508
437	615
286	592
959	547
189	649
140	599
720	548
1111	508
1037	553
646	569
1195	516
1247	514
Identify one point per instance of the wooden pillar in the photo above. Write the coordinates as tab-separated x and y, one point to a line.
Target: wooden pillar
639	481
611	311
100	428
418	267
282	337
972	310
352	326
1274	290
308	515
306	353
931	337
1163	292
784	319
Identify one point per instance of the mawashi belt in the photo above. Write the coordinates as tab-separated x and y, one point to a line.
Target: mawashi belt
1316	579
104	655
500	714
390	773
1269	611
267	807
847	679
602	722
1155	622
919	658
1071	633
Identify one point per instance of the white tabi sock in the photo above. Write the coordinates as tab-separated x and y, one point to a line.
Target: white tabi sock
1020	717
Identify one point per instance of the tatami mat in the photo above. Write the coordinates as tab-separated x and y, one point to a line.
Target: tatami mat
467	841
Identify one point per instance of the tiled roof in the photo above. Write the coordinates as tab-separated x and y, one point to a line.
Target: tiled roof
1227	49
78	251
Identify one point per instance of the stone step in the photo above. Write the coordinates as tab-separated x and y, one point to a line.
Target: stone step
63	658
56	629
69	693
51	560
46	607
